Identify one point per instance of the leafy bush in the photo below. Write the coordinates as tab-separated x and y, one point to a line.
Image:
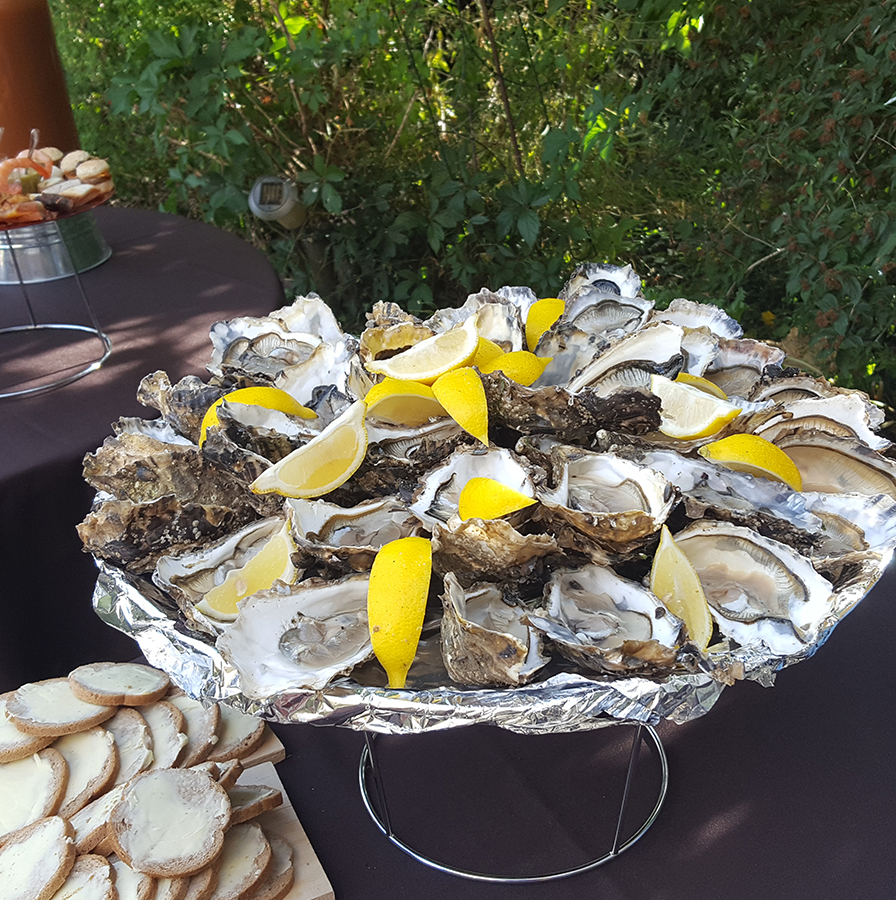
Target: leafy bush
733	152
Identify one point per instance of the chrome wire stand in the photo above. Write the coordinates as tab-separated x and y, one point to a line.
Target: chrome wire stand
379	812
94	328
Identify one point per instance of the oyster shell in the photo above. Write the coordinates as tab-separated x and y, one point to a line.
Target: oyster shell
499	318
298	637
760	591
190	575
619	280
705	316
739	364
485	640
607	623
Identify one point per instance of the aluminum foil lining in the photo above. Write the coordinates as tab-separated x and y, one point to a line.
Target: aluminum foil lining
563	702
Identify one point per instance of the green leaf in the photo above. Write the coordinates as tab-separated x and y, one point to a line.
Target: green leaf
330	198
528	226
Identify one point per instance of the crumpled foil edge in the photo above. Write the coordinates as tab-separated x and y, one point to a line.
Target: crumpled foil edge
564	702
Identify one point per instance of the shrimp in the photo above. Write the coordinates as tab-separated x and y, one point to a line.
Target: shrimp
7	167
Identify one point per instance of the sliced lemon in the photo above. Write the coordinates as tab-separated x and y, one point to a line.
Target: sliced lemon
754	455
486	351
542	314
396	603
268	397
403	402
271	563
433	356
520	366
688	412
704	384
322	464
675	582
486	498
462	395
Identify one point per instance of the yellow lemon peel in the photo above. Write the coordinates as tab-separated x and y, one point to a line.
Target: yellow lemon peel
675	582
698	381
754	455
520	366
403	402
541	316
486	498
462	395
396	603
268	397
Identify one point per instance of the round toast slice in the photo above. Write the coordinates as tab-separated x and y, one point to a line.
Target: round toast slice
244	862
31	789
171	888
170	822
92	763
168	729
14	743
35	861
280	875
50	708
250	800
118	684
129	884
133	742
202	724
90	878
201	885
239	734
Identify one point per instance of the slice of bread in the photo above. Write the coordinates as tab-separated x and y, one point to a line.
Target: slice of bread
238	734
167	727
90	878
118	684
281	874
170	822
131	885
228	772
133	741
171	888
201	885
244	862
35	861
250	800
14	743
90	823
30	789
50	708
92	763
202	724
70	162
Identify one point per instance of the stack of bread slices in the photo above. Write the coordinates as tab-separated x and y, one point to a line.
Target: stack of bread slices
116	784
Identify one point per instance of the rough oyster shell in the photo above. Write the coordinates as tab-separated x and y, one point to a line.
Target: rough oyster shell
760	591
298	637
607	623
689	314
485	640
739	364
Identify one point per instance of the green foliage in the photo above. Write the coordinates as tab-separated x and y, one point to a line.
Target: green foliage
739	153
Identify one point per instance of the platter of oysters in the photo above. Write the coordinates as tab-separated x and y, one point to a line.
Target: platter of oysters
612	420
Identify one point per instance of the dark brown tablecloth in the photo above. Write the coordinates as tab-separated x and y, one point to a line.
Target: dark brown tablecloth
776	793
167	281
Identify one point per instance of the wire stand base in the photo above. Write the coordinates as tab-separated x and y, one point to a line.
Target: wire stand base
93	329
369	772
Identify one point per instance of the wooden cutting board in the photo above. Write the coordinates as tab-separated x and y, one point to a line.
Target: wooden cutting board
311	882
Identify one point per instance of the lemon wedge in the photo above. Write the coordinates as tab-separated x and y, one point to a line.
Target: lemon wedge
542	314
268	397
688	412
754	455
486	351
322	464
486	498
403	402
520	366
462	395
396	603
674	581
271	563
433	356
704	384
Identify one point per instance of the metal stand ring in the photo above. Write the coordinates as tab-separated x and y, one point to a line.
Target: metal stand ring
383	823
90	367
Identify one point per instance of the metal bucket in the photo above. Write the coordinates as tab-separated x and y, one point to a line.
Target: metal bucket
47	251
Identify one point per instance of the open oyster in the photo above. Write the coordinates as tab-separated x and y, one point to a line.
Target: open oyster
485	640
301	636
